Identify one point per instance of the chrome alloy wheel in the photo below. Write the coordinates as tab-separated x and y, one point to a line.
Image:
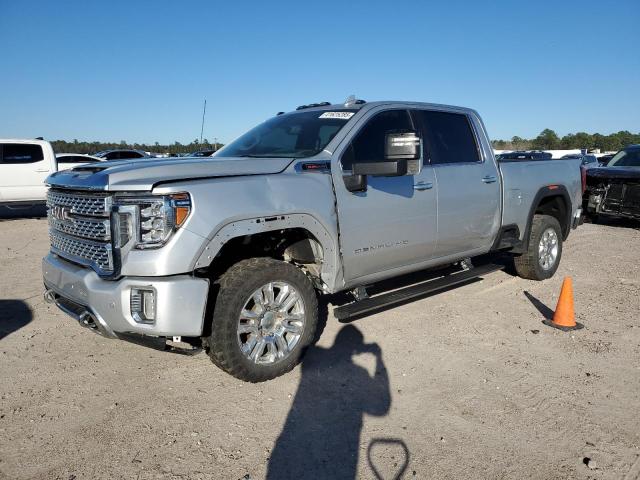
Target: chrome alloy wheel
271	323
548	249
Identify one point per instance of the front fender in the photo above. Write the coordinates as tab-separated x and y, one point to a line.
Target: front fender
330	270
231	207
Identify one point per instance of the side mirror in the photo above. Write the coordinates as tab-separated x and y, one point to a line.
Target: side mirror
401	157
393	168
402	146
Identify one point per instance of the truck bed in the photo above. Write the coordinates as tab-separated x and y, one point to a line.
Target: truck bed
522	180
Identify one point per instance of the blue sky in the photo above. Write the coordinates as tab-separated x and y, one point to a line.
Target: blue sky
139	71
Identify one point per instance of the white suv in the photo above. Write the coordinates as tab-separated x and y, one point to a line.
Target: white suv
24	165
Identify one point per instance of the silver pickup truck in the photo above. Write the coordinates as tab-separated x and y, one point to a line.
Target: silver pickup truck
233	250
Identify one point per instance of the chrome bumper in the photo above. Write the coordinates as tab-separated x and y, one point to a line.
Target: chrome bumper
104	306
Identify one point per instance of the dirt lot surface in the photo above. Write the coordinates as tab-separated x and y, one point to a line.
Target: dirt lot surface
465	384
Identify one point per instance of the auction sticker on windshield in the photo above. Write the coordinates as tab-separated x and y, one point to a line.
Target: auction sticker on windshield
342	115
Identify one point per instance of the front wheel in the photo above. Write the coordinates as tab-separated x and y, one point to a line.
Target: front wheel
543	254
265	315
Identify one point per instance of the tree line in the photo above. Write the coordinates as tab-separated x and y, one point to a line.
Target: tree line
549	140
176	148
546	140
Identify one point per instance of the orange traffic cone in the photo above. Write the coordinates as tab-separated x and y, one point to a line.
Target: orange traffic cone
564	317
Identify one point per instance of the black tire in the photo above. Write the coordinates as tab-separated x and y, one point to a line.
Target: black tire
527	265
235	286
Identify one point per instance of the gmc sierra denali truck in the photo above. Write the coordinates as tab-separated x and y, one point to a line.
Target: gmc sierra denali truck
233	250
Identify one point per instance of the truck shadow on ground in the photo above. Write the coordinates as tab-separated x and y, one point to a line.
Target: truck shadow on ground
617	222
321	436
14	314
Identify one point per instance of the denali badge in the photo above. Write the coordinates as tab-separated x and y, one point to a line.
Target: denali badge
371	248
60	212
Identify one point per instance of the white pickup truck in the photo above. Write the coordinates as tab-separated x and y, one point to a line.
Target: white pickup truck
24	166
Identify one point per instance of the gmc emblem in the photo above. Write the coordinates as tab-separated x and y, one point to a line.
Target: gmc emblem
60	212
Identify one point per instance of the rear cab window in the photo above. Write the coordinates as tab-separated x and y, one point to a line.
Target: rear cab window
20	153
448	137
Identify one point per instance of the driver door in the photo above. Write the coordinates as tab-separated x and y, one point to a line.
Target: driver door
392	225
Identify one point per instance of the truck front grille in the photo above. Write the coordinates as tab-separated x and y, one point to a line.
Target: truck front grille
84	228
94	204
80	228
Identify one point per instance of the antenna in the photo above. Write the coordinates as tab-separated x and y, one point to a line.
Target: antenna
204	111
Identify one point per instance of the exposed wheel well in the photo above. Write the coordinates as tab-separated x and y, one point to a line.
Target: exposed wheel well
295	245
555	206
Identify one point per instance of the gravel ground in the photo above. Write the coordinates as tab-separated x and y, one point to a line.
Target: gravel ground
465	384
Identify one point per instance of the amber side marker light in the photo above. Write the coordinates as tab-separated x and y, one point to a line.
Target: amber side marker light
182	207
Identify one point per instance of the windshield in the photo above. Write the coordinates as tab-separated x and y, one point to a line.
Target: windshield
299	134
626	158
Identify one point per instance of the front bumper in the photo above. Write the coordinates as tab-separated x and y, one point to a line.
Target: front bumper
105	305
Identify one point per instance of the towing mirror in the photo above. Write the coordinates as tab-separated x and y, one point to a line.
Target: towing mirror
402	146
395	168
401	153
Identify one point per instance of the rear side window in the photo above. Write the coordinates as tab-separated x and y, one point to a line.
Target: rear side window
368	145
16	153
448	137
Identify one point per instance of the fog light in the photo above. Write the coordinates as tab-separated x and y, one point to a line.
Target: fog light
143	304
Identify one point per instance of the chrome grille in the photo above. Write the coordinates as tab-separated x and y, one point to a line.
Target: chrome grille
80	228
84	228
93	204
95	254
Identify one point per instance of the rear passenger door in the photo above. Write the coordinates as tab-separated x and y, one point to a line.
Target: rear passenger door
468	183
23	170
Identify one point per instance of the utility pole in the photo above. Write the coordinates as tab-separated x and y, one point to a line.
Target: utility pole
204	111
215	144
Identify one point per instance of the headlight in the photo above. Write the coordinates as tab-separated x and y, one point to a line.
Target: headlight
156	217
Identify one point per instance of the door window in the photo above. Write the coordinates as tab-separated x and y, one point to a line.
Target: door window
448	137
17	153
368	145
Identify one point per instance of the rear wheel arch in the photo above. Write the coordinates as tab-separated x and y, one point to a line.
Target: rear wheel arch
552	200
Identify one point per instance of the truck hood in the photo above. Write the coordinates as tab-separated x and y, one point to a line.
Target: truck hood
144	174
604	173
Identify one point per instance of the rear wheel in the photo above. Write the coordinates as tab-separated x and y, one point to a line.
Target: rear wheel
265	315
543	254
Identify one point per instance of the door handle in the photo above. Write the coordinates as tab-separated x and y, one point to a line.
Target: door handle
423	186
489	178
42	170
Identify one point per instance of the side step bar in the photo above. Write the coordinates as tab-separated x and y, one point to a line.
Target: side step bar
414	291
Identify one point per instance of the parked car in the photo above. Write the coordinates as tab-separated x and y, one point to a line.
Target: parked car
70	160
121	154
525	155
586	160
24	166
614	190
233	254
202	153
